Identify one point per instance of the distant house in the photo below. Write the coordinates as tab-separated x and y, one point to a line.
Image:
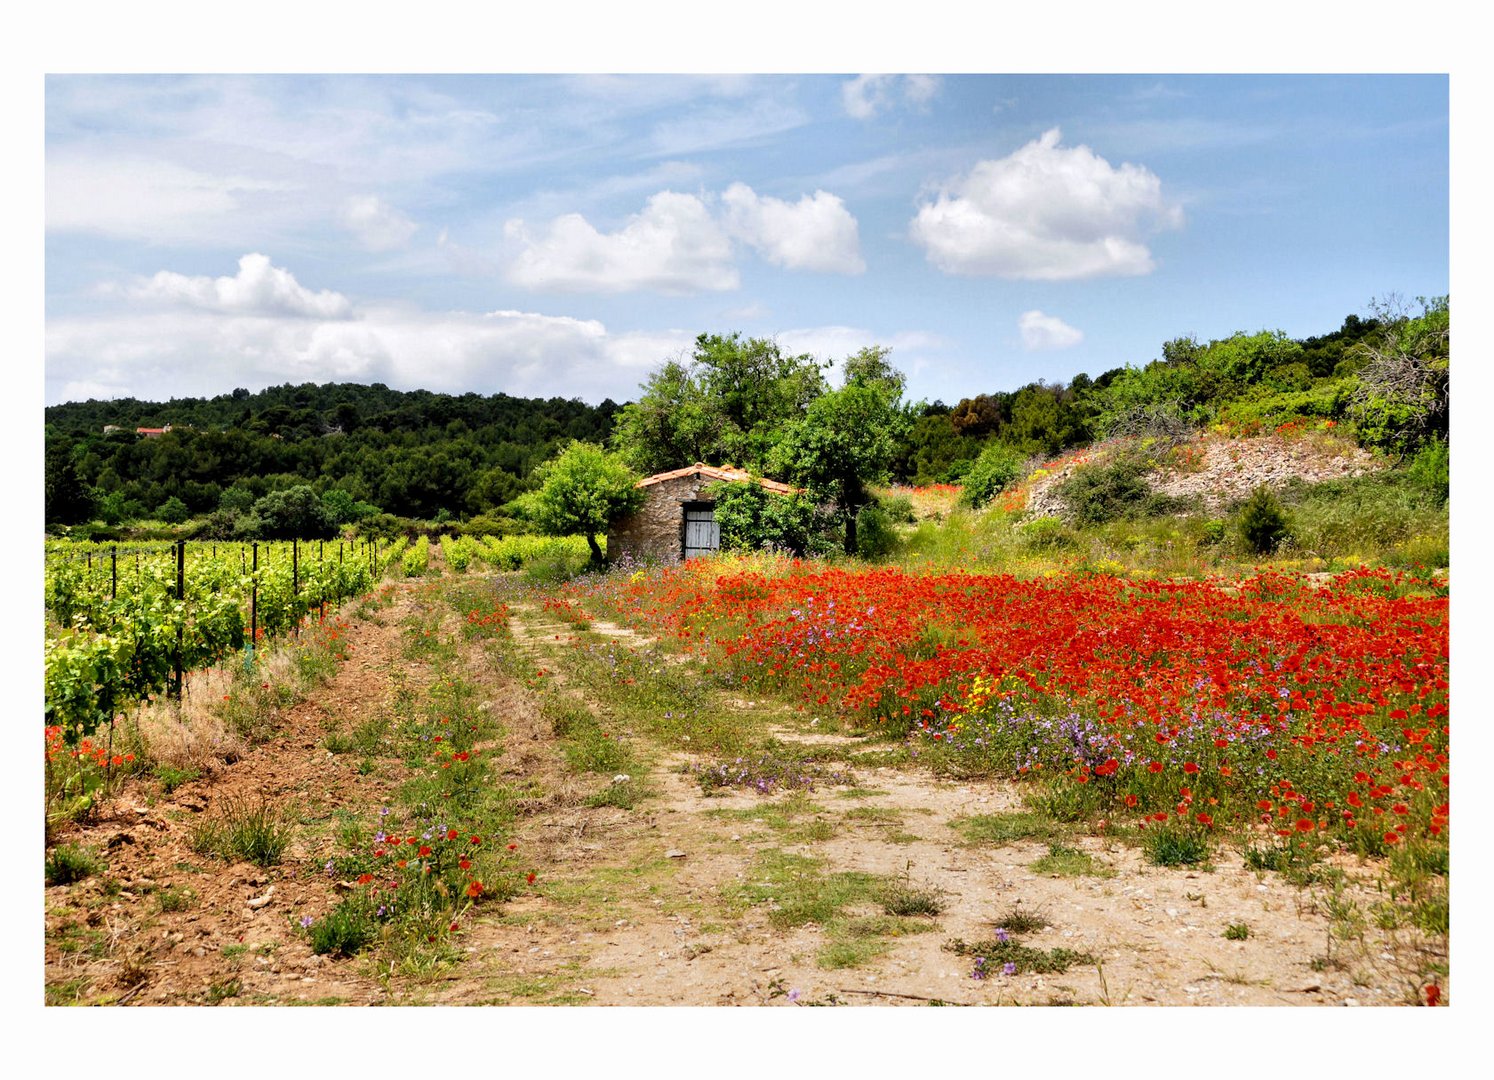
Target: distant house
677	519
152	432
110	429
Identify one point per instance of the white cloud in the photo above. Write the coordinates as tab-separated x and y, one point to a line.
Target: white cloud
673	246
139	198
866	95
1041	331
816	233
377	225
1046	212
201	353
257	289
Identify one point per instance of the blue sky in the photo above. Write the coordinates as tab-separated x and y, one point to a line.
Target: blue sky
563	235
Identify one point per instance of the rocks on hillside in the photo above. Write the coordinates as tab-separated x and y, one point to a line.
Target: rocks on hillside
1230	469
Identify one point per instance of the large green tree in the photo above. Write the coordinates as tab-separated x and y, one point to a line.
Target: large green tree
848	438
726	405
582	491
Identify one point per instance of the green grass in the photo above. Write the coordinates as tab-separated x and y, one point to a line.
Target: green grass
68	863
1237	932
1065	861
1167	844
176	898
1001	829
243	829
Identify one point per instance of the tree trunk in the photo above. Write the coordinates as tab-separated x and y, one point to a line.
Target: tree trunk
597	558
851	533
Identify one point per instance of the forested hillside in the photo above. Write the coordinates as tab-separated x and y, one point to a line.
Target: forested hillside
370	449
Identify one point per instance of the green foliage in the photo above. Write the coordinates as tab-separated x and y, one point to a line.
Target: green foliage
68	863
727	403
1112	491
582	491
253	831
296	513
173	511
1402	396
875	537
1431	471
754	519
346	929
1175	844
990	474
847	439
1263	524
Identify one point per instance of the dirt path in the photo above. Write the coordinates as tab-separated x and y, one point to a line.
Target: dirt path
847	893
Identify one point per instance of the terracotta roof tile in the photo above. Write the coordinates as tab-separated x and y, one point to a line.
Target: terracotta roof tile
727	473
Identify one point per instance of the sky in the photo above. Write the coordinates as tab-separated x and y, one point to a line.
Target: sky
563	235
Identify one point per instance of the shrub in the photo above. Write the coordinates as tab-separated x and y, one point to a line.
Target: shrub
345	929
1175	845
754	519
1430	470
875	536
1095	494
990	474
1263	523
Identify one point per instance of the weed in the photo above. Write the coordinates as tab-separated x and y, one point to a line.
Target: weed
176	898
999	953
173	777
221	990
68	863
902	897
1000	829
1065	861
624	794
345	929
254	831
1020	920
1169	844
1237	931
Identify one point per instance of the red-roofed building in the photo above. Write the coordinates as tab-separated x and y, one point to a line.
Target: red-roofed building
677	518
152	432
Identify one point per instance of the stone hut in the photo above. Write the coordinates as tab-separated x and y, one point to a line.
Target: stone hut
677	519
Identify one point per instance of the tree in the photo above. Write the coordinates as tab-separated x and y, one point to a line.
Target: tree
582	491
726	405
297	513
67	497
848	438
1402	397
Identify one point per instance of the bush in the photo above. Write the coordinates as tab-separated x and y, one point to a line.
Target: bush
1263	523
1431	470
990	474
875	536
1095	494
173	511
754	519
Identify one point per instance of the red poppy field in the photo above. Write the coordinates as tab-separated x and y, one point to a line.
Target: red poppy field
1305	712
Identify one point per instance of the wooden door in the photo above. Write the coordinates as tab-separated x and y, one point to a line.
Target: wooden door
702	533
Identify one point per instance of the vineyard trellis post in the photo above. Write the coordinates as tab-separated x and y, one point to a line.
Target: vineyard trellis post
114	572
295	584
254	602
181	598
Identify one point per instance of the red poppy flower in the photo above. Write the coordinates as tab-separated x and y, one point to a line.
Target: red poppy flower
1304	825
424	851
451	834
364	879
530	879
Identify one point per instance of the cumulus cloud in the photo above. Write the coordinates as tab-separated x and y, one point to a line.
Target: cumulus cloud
1046	212
866	95
196	352
673	246
257	289
816	233
377	225
1041	332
